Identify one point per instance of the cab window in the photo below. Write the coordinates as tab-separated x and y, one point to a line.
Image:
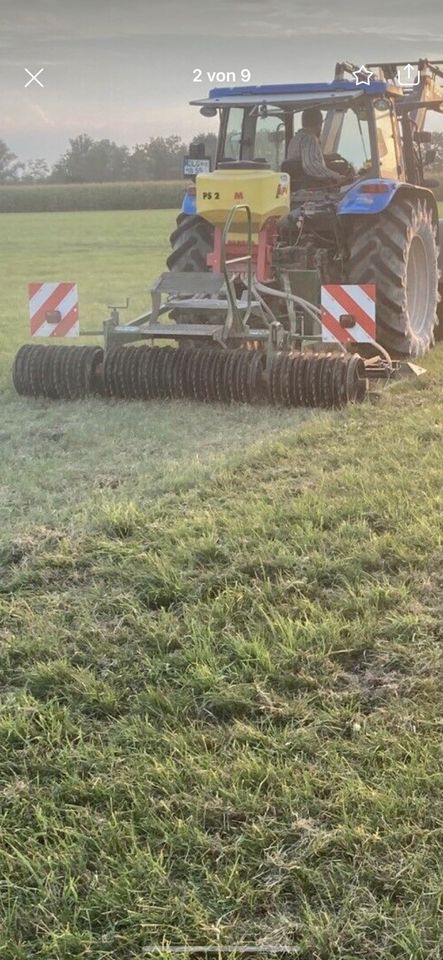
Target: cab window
387	149
233	139
353	141
270	141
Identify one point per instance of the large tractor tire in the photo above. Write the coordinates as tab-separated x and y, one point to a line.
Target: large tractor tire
397	251
191	242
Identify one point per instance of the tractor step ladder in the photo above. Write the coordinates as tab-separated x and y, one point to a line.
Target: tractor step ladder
207	293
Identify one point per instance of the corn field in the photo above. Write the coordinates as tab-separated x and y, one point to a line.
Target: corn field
45	198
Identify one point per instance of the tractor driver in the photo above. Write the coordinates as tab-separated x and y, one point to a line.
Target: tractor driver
305	148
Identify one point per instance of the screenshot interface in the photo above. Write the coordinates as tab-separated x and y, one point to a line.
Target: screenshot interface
221	462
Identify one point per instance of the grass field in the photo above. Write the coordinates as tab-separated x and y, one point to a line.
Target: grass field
221	659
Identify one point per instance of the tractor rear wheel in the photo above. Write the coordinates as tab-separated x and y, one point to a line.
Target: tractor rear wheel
397	251
191	242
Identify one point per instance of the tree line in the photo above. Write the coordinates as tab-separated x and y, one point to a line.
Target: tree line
104	161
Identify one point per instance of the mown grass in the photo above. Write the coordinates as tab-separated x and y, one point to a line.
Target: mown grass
67	455
222	678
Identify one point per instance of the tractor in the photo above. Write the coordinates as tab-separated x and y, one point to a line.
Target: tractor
280	288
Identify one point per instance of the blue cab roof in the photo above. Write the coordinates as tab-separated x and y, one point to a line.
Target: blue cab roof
376	87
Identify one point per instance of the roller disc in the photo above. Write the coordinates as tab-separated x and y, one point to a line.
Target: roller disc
122	380
47	374
282	385
59	371
83	373
110	376
131	373
20	374
234	385
300	378
74	373
355	379
269	378
186	374
362	382
125	384
168	372
327	399
285	368
316	379
285	377
272	380
307	398
92	370
254	377
181	359
164	372
209	383
243	376
168	365
325	377
139	363
236	376
246	375
198	367
35	369
218	375
86	366
230	363
157	357
36	359
338	381
197	373
157	372
141	373
147	373
293	392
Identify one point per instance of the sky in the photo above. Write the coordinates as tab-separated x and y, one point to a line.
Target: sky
125	70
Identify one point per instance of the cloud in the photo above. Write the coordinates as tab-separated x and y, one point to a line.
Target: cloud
125	70
42	115
109	21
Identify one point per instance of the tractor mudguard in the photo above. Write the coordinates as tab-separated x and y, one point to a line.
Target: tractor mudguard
189	205
374	196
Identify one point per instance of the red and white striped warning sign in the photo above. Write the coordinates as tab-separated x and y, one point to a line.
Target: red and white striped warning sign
348	312
53	309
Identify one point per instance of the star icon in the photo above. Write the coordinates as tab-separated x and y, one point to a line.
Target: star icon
362	76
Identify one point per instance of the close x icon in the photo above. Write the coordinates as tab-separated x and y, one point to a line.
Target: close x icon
34	77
